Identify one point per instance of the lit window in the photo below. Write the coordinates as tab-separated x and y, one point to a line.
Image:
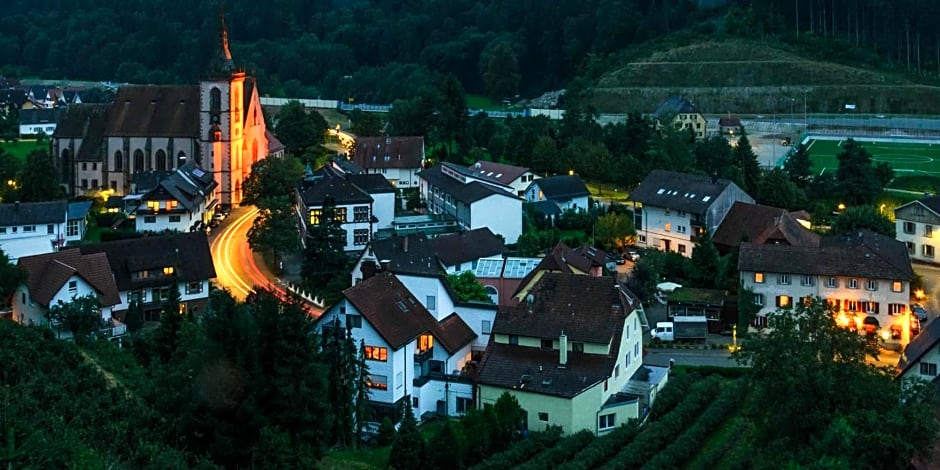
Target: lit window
784	301
375	353
379	382
897	309
168	271
605	422
668	227
315	216
153	205
897	286
759	278
425	342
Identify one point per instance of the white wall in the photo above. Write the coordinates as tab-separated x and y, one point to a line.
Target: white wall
31	313
655	221
501	214
422	287
474	316
383	209
21	243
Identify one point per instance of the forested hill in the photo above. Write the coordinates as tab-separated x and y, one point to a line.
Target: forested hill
378	50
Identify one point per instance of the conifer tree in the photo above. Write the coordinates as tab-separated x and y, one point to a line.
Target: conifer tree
408	447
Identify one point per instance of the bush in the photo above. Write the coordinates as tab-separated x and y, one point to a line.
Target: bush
560	453
602	448
521	451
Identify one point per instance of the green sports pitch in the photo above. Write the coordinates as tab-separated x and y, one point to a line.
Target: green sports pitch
912	158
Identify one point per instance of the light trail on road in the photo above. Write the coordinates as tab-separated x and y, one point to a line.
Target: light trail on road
225	248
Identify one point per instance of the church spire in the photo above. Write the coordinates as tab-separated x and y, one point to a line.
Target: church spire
222	64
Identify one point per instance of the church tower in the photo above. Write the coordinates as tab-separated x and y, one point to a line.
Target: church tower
221	124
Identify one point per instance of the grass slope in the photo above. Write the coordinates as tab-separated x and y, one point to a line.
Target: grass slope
21	148
751	76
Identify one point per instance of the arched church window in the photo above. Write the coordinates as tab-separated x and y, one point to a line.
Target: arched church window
138	160
215	100
118	160
161	160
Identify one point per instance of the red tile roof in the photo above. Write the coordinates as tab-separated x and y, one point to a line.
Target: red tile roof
760	224
500	172
49	272
453	333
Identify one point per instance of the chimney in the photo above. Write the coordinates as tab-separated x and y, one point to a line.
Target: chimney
562	350
404	244
367	269
384	265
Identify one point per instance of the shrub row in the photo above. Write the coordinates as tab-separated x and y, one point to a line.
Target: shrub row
521	451
658	434
602	448
710	458
561	453
729	372
675	392
681	449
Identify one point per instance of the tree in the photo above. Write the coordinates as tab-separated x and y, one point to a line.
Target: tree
746	160
446	449
467	287
777	190
705	262
275	227
38	181
614	230
338	352
822	361
166	338
799	166
452	114
500	70
363	413
326	266
272	177
408	447
863	217
365	124
11	277
713	156
857	182
81	316
134	319
299	130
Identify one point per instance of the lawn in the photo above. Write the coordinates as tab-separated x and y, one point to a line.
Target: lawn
906	158
21	148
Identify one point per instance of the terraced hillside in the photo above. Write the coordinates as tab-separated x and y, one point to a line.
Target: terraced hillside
753	77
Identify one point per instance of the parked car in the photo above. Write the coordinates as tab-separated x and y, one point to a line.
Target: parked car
919	311
633	255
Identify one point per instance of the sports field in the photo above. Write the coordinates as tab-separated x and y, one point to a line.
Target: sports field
906	158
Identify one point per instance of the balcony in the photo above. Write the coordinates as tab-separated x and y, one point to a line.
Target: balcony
423	356
441	377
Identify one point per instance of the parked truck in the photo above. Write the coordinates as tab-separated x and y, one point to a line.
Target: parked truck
681	328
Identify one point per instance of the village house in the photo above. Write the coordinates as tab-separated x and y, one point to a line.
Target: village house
920	358
760	225
450	191
918	226
60	277
515	178
398	159
501	276
32	228
730	125
683	115
863	275
415	359
675	209
567	353
568	192
181	202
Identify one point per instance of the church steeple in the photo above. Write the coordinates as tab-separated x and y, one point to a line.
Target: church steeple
222	63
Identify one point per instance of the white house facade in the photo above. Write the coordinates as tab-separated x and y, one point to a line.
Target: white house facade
864	276
568	192
677	208
921	357
32	228
181	202
917	225
398	159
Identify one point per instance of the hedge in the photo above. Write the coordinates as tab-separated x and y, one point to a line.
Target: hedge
561	453
520	451
602	448
657	435
690	441
673	394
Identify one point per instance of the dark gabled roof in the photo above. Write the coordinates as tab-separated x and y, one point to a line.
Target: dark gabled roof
188	253
78	210
920	345
860	253
545	207
40	116
346	165
930	202
155	111
588	309
454	333
679	191
146	181
467	246
729	122
188	184
372	183
675	104
79	119
33	213
760	224
562	187
389	152
499	172
465	193
410	254
48	272
536	370
314	191
391	309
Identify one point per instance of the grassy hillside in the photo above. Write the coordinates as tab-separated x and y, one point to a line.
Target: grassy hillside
750	76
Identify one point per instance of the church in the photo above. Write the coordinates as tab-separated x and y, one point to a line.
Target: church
217	124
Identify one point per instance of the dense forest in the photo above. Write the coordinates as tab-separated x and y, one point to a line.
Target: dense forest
379	50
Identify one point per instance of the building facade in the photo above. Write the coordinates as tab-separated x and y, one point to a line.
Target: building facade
917	225
32	228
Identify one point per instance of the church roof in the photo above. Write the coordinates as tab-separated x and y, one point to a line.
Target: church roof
155	111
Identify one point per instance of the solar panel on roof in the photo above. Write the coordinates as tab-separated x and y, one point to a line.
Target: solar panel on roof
198	172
